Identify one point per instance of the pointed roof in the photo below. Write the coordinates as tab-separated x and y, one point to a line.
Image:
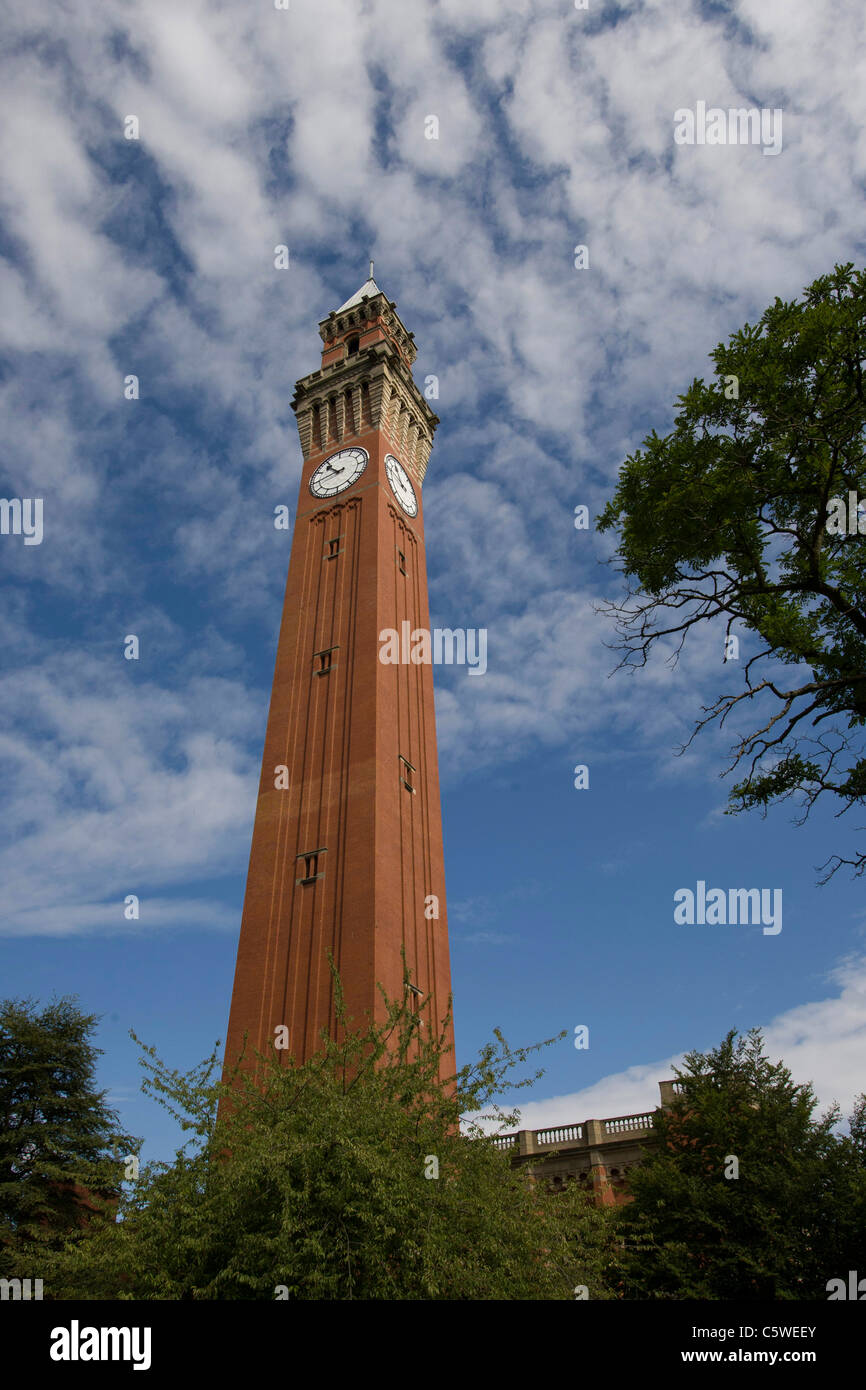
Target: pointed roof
369	287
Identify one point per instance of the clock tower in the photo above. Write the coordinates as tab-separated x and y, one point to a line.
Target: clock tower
347	850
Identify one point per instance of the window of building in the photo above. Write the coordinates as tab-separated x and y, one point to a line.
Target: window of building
353	344
415	997
334	548
407	774
310	860
401	562
324	662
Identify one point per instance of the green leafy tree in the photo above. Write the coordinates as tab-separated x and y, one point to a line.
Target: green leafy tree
58	1138
844	1228
346	1177
785	1224
857	1128
726	520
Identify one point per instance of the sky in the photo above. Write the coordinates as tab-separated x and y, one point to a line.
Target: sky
146	248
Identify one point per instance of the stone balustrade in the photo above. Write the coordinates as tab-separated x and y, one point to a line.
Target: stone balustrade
623	1124
565	1133
590	1133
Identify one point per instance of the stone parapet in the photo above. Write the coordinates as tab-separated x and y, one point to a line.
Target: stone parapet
598	1153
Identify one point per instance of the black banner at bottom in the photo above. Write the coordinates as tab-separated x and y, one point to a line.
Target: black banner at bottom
84	1340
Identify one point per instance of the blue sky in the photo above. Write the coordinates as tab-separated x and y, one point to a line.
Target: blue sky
155	257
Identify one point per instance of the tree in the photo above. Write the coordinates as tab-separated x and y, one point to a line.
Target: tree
57	1136
857	1127
345	1177
777	1222
736	516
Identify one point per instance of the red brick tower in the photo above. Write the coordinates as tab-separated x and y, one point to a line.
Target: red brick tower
347	843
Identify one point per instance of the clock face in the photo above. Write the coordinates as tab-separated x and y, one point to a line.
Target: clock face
338	472
401	485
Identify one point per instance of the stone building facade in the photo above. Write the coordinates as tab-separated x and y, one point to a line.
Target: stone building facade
597	1154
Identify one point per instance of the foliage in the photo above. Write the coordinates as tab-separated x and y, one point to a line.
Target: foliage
309	1182
58	1137
726	518
790	1220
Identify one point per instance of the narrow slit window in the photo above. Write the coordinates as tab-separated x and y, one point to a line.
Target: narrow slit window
407	775
324	661
309	863
333	548
401	562
348	412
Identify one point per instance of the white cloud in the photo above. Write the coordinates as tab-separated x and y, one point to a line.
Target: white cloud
115	785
